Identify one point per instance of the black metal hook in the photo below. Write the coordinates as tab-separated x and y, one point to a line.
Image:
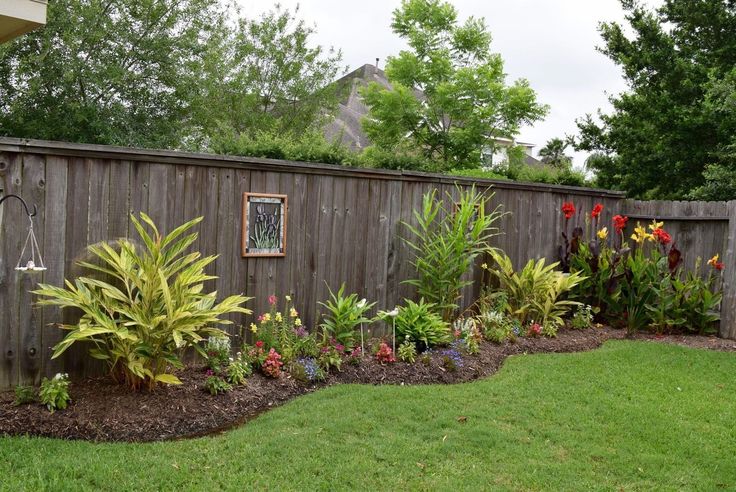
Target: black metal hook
25	205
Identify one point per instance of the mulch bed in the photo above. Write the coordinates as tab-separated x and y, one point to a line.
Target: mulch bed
104	411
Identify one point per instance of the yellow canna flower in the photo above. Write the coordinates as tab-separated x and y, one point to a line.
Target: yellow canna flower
293	313
656	225
297	322
713	260
640	234
603	233
253	328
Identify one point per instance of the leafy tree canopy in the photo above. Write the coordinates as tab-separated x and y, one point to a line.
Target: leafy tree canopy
162	73
553	153
464	100
672	134
265	76
109	72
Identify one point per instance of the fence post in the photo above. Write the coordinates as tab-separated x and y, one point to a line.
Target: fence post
728	305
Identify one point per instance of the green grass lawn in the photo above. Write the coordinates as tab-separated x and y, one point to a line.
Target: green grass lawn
632	416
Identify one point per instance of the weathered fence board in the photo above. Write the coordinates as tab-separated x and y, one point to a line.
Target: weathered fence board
344	225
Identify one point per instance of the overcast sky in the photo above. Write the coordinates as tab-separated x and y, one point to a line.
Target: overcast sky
549	42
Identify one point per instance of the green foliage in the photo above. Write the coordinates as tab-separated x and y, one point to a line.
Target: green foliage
407	351
467	330
54	392
446	242
151	308
583	317
24	394
344	314
553	153
527	173
536	292
238	370
669	133
306	147
419	323
265	80
216	385
465	102
122	73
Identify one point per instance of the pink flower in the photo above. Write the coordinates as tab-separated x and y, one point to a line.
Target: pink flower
272	299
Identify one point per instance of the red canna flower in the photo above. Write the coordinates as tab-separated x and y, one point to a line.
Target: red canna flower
568	208
715	263
619	223
259	343
596	210
662	236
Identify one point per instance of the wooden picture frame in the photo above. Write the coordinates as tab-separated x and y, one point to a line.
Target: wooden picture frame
264	219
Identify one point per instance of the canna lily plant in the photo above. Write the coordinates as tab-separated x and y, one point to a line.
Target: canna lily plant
149	308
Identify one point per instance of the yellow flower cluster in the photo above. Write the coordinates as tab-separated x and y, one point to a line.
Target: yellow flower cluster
640	232
266	317
603	233
278	317
298	322
293	313
253	328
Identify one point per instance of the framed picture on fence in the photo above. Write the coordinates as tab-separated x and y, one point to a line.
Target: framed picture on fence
264	224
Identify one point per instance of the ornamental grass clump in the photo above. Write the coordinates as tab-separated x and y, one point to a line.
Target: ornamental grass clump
149	308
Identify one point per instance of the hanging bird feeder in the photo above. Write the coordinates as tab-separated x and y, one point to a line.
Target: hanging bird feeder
30	260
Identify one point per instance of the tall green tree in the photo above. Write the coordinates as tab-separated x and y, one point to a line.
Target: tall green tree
107	71
670	133
553	153
266	75
464	101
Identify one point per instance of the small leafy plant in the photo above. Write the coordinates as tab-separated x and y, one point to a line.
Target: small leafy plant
150	308
54	392
217	384
344	314
307	370
217	350
407	351
272	365
385	355
583	317
421	325
496	326
24	395
238	370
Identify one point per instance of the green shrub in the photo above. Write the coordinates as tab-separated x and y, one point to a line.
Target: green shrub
536	292
583	317
54	392
151	310
420	324
344	314
24	394
446	242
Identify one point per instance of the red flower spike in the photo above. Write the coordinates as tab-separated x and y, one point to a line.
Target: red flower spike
568	208
619	223
662	236
596	210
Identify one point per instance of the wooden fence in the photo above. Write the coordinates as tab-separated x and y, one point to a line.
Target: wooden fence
344	225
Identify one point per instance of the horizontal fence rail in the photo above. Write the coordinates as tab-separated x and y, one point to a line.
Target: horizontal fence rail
344	225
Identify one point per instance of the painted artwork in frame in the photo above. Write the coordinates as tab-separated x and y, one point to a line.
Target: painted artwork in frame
264	224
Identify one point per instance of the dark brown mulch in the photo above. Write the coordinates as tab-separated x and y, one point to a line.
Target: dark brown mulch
104	411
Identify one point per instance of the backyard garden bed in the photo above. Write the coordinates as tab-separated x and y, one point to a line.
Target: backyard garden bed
104	411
